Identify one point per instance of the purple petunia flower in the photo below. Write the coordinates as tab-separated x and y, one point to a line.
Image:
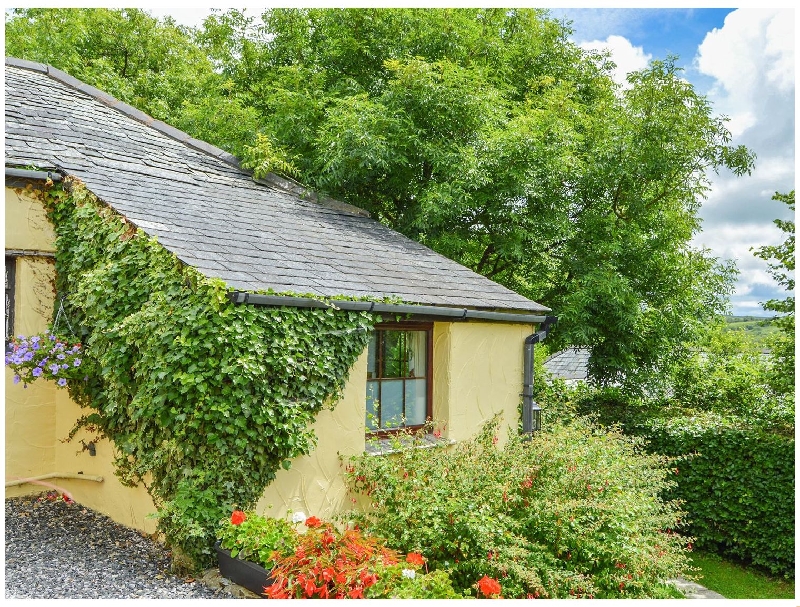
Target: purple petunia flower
77	362
61	357
54	368
65	366
62	382
37	371
16	379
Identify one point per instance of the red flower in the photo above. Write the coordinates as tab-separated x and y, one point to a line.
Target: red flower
489	586
415	558
356	593
275	591
238	517
437	433
313	521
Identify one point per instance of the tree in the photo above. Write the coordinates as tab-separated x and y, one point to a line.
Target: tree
488	136
783	271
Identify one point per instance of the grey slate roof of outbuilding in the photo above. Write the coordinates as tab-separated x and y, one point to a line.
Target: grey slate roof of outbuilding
571	364
212	215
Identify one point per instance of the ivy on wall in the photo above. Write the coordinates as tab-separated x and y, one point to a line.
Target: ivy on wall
204	400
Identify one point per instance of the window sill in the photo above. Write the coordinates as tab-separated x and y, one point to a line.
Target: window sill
386	445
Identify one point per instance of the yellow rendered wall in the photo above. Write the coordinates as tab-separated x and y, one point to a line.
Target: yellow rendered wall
315	484
38	418
477	374
30	412
27	226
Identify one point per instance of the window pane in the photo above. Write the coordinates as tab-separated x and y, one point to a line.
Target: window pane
393	353
371	349
417	353
373	415
391	403
416	400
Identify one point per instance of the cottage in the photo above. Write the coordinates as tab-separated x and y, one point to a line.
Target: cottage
469	339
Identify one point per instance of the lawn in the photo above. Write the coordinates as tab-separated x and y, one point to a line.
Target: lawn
738	582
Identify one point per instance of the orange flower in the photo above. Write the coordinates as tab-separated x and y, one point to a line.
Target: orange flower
238	517
415	558
489	586
313	521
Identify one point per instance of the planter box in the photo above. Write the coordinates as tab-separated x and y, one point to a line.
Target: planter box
244	573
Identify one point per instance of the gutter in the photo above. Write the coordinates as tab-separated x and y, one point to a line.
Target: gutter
32	175
453	314
531	413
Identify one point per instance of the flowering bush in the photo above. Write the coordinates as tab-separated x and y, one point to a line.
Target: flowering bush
256	538
43	355
329	564
574	512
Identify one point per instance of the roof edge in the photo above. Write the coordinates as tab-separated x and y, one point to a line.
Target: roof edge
271	179
450	313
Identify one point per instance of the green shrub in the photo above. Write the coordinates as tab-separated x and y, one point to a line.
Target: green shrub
737	484
573	512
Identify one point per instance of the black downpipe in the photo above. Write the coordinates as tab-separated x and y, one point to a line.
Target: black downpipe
531	414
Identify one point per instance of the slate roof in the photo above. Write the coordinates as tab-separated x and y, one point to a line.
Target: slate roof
209	212
570	364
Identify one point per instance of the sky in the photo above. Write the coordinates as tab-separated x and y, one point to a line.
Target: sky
741	59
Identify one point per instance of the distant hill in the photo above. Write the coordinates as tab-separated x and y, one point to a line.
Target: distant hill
757	328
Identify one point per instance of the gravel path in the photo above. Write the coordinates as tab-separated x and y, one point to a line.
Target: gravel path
63	550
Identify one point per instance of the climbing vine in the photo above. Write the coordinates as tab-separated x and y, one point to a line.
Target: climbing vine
205	400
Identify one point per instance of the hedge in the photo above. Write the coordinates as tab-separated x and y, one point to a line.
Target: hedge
737	484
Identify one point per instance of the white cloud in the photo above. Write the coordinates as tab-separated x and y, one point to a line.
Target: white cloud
751	59
753	49
627	57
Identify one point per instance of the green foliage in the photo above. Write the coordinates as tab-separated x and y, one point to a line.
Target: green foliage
204	400
729	375
257	538
783	345
482	133
737	484
757	329
573	512
393	584
733	439
263	158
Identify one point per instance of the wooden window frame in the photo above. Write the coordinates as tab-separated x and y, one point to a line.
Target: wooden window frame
411	326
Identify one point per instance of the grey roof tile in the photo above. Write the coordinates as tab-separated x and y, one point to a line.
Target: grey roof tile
192	196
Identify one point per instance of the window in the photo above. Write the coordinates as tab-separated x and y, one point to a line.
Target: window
399	385
11	275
